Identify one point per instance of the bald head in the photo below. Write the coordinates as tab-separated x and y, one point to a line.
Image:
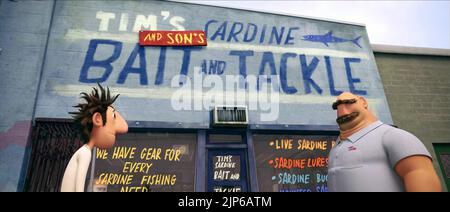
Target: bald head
346	95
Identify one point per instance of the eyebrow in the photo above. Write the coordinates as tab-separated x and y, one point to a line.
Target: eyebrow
344	101
114	109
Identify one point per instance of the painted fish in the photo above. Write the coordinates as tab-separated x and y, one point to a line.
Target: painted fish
329	38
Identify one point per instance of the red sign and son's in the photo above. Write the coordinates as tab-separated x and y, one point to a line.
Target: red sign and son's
172	38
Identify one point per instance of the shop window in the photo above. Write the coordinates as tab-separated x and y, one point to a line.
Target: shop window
292	163
147	162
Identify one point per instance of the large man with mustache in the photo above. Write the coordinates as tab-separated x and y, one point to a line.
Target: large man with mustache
372	156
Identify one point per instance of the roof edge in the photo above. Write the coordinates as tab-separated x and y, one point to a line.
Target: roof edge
382	48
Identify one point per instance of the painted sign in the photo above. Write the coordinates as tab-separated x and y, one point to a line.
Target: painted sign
146	163
305	62
292	163
227	167
172	38
227	170
227	189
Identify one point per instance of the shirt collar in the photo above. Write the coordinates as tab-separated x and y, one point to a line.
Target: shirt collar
356	136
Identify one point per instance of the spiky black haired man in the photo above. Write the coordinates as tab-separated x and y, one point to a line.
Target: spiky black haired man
99	122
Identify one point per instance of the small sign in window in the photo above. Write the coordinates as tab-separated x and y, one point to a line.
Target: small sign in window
227	189
227	167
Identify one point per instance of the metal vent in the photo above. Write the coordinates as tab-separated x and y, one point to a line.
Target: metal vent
230	115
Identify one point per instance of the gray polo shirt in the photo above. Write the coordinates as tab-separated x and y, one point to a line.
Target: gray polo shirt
365	161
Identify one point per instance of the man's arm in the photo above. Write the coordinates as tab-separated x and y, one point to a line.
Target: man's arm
418	174
84	158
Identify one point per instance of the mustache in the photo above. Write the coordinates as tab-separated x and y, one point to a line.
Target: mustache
347	118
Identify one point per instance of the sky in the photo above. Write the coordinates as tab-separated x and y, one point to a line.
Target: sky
399	23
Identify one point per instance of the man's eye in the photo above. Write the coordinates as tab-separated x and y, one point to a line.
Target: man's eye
114	115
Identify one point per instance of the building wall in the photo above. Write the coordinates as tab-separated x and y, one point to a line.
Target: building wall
418	91
417	87
24	28
96	42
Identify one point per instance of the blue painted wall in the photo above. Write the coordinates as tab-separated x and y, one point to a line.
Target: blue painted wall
23	34
94	42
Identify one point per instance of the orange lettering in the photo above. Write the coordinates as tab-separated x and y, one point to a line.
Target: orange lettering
201	38
188	38
147	37
178	38
169	35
